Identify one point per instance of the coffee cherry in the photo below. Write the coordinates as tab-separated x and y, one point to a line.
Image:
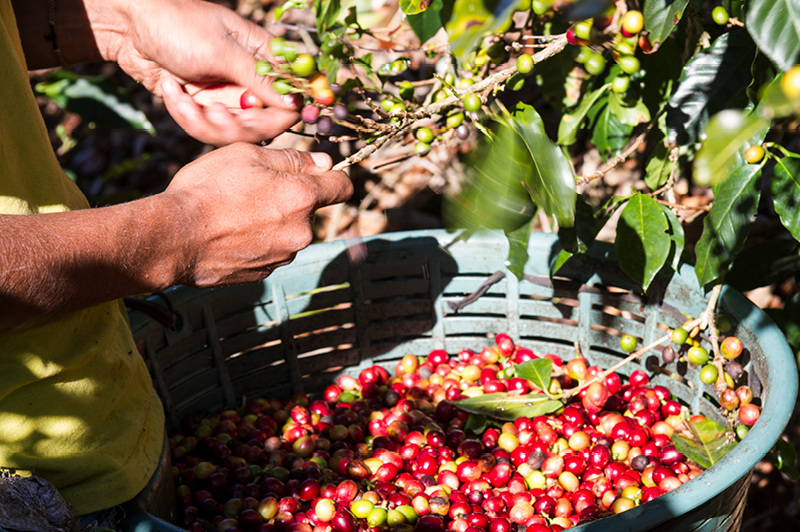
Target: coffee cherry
472	102
422	147
324	127
263	68
728	399
724	323
749	414
248	100
628	63
324	97
595	64
628	343
276	46
424	134
668	355
516	82
454	120
679	336
754	154
731	347
790	83
340	112
583	30
304	65
525	63
741	429
406	90
632	23
281	86
697	355
620	84
309	115
720	15
709	374
462	132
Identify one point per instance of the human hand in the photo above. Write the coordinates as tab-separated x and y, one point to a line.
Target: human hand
176	48
247	210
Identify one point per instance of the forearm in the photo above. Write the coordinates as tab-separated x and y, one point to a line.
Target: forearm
51	264
86	30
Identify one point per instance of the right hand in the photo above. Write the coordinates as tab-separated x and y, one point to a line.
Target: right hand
246	210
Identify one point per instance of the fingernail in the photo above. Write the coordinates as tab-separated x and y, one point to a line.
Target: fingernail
169	86
321	159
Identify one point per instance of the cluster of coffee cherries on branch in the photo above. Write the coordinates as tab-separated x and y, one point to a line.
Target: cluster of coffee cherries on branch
589	34
723	373
296	73
382	452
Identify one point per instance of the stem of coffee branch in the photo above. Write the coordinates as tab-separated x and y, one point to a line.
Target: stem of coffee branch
408	119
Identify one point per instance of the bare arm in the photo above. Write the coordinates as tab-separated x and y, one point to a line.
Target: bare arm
231	216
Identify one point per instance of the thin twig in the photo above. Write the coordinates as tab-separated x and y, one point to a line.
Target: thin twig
603	374
681	206
619	159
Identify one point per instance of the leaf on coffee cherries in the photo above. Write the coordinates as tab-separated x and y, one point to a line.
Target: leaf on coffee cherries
414	7
509	407
704	442
660	17
538	371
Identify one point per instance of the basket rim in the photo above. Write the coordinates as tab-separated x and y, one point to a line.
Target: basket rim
776	411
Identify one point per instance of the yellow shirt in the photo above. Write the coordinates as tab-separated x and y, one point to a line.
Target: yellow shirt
77	405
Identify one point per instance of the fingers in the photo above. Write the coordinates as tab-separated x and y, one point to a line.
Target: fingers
332	186
215	123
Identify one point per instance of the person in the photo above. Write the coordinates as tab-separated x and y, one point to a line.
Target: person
77	406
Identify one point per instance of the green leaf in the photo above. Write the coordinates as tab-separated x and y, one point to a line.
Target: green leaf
764	263
629	112
476	424
509	407
661	16
494	195
775	27
580	237
104	104
330	65
609	135
471	20
538	371
428	23
290	4
550	180
658	167
558	261
518	248
705	442
677	236
414	7
708	82
582	9
661	73
785	187
786	458
327	11
642	245
728	223
571	122
727	133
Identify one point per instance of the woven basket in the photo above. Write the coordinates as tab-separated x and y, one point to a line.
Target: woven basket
324	315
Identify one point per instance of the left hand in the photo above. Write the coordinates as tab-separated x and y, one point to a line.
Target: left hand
176	48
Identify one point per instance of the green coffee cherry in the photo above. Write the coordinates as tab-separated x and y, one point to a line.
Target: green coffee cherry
697	355
709	374
524	63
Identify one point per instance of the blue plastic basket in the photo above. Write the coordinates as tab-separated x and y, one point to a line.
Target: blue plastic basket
323	315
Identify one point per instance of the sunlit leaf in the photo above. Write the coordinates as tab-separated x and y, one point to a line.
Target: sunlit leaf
775	26
471	20
628	112
658	167
428	23
704	442
642	245
728	223
290	4
538	371
708	81
327	11
550	180
609	134
661	16
727	133
414	7
676	235
509	407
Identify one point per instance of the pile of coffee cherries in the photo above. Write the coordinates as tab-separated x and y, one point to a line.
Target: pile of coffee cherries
382	452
